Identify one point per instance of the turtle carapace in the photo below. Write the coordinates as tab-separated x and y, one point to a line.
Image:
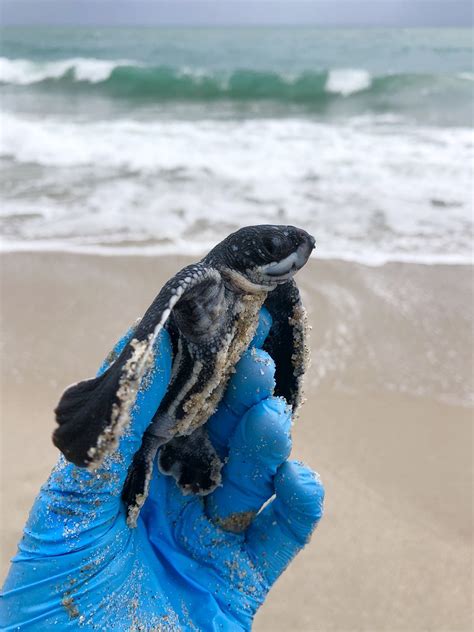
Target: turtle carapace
211	311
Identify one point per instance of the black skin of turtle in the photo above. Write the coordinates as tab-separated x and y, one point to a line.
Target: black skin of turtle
210	309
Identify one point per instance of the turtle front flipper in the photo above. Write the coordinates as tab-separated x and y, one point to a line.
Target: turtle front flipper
93	414
193	462
286	342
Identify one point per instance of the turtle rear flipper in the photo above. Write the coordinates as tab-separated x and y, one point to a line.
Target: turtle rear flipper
193	462
286	341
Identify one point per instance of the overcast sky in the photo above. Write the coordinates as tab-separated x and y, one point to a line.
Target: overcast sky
198	12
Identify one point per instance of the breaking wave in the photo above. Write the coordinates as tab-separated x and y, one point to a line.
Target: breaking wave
129	79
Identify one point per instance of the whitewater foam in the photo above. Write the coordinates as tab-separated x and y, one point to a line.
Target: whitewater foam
348	81
25	72
468	76
371	190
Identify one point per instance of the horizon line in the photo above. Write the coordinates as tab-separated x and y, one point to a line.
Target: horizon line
241	25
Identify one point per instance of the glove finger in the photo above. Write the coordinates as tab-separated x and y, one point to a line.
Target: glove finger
263	329
259	445
285	525
252	382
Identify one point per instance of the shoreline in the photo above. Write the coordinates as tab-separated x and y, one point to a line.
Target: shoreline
187	250
388	344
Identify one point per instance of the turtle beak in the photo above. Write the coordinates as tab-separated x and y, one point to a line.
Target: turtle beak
280	271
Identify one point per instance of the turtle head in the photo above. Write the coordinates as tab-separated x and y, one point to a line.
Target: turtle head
264	255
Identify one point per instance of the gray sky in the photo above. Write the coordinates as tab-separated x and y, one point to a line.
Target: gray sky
243	12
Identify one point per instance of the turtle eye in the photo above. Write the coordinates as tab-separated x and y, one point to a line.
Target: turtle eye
273	245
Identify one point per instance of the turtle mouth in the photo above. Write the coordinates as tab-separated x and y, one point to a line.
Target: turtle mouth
280	271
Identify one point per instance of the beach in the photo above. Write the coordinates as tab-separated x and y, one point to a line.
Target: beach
387	423
127	153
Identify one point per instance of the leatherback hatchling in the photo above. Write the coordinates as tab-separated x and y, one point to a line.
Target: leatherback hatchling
211	312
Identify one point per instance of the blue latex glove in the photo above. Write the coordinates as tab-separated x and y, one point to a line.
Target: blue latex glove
79	566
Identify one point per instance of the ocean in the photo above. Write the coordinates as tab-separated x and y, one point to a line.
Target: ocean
153	140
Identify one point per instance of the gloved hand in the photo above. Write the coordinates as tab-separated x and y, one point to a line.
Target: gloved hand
192	563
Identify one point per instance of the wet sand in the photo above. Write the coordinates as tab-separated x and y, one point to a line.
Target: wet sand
386	423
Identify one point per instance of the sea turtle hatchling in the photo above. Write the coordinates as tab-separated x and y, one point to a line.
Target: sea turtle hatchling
211	311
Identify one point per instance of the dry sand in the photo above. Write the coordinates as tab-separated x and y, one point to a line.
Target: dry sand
386	424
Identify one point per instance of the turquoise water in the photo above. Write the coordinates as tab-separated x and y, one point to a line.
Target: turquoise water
420	73
362	135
